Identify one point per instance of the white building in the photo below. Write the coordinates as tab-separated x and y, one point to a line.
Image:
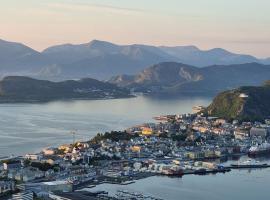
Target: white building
262	132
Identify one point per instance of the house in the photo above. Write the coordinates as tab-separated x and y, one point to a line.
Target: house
240	134
195	155
33	156
147	131
26	174
220	121
12	164
6	186
49	151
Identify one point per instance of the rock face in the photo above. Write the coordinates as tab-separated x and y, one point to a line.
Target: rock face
25	89
245	103
176	79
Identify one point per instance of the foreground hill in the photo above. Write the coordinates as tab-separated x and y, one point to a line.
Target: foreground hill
179	79
24	89
101	59
248	103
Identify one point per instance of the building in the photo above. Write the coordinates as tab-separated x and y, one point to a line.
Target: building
57	186
23	196
49	151
243	95
12	165
6	186
195	155
28	174
147	131
136	148
262	132
240	134
32	156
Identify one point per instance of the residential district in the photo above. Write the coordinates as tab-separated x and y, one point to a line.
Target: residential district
175	145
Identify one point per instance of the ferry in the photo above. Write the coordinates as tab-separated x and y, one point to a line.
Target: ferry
261	149
249	164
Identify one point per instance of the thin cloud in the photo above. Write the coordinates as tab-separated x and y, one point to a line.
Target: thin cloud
89	6
251	41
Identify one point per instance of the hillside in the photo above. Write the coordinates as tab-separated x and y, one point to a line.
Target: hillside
180	79
233	104
101	59
25	89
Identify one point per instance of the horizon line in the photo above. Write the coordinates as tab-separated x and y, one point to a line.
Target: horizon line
129	44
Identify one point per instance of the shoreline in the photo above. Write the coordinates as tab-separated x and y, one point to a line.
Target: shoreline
60	99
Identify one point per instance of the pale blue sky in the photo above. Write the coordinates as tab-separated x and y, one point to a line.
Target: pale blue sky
237	25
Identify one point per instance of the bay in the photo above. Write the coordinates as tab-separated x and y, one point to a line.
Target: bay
28	128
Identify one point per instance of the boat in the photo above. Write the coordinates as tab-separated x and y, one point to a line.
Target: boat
171	172
261	149
200	171
161	118
249	164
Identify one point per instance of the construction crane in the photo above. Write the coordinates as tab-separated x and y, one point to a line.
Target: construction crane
73	135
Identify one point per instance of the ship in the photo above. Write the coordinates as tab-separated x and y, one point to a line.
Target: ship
164	117
173	172
249	164
261	149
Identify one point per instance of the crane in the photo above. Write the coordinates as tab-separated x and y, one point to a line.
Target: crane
73	135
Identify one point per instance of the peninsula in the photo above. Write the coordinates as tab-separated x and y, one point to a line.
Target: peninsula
14	89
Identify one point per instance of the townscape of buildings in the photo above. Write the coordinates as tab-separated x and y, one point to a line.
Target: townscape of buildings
174	146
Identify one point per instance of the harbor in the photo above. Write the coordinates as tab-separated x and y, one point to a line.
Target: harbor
174	146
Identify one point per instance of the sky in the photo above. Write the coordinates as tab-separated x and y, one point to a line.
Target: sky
241	26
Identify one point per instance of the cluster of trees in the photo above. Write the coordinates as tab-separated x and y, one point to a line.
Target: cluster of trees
114	136
41	166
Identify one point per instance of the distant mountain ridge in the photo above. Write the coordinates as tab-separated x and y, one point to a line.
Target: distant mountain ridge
25	89
172	78
101	59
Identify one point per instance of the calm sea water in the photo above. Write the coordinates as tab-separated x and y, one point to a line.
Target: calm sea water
239	184
27	128
235	185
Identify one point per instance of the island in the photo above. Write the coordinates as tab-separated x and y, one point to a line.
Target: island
14	89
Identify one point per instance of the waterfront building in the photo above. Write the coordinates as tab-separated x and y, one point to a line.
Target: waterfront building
57	186
12	165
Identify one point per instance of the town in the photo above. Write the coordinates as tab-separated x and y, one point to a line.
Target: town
176	145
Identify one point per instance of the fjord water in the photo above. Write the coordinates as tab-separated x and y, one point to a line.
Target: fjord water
28	128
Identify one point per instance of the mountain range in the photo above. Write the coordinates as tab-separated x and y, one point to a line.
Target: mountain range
101	59
170	78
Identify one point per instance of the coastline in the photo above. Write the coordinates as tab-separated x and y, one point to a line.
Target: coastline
161	165
35	101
